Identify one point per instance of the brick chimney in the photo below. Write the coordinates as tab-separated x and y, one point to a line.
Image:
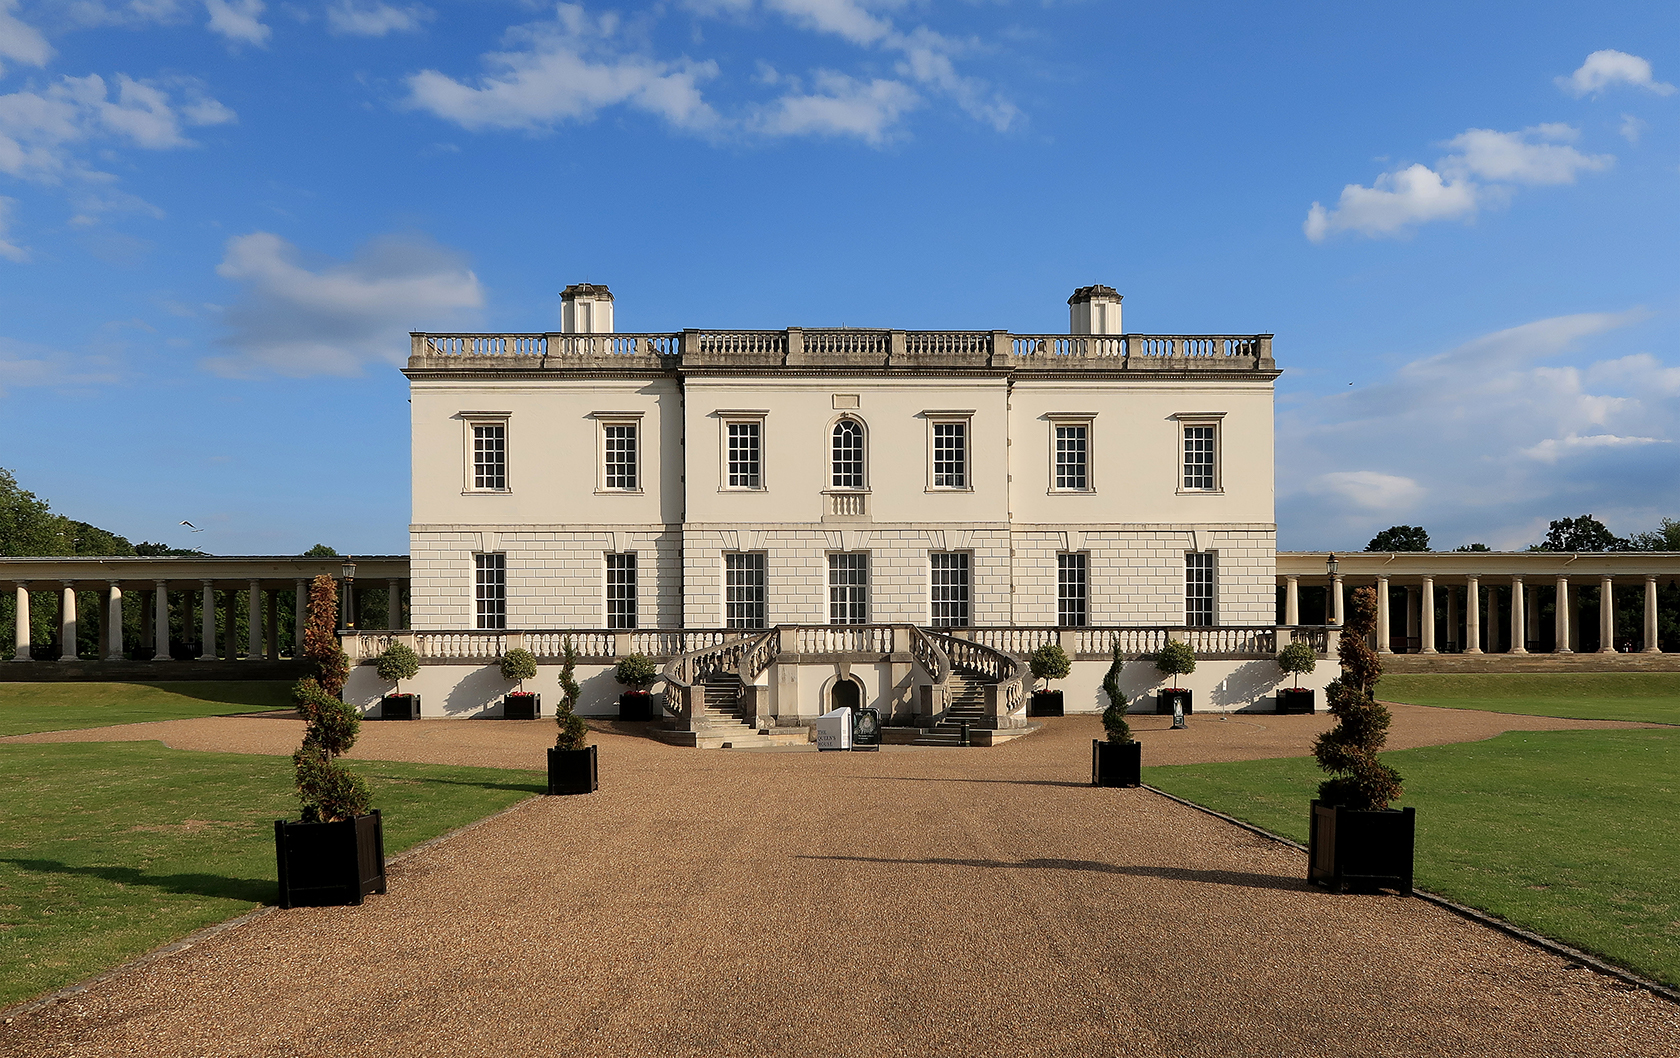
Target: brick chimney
586	308
1094	310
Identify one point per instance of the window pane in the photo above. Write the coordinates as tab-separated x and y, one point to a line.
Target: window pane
1198	457
1070	590
950	588
621	590
621	456
743	455
743	590
491	590
1070	457
950	455
1198	589
489	456
848	455
848	588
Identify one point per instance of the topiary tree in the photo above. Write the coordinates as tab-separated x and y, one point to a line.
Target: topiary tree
1297	658
1114	717
398	663
636	670
1349	750
574	731
1176	659
519	665
320	637
329	791
1050	662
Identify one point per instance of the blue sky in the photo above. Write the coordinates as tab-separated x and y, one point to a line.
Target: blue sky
219	219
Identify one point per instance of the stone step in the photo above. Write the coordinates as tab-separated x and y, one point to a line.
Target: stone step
1397	663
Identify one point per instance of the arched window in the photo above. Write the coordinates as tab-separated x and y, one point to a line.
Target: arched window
848	455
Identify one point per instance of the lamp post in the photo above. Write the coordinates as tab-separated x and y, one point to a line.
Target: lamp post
349	571
1333	602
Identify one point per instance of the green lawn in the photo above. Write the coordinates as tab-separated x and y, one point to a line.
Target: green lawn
108	849
1652	697
1568	833
26	707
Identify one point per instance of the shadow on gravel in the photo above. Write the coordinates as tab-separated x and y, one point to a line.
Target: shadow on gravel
255	890
1171	874
1006	782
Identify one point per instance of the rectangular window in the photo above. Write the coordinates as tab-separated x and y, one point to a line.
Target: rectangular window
1198	589
491	590
620	449
1201	458
1070	590
950	455
848	588
949	602
621	590
489	455
743	589
1071	463
744	455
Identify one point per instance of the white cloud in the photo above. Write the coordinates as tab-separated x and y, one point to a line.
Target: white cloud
92	14
335	317
1532	156
238	21
11	251
39	130
28	364
567	70
1394	202
1553	449
840	106
1371	489
1610	67
362	18
20	42
1632	128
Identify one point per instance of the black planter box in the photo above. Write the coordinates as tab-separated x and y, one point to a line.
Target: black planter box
1045	703
399	707
573	771
1164	700
1348	849
328	864
521	706
1116	763
635	705
1295	700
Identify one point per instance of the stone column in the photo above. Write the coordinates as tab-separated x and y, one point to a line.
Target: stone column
393	604
253	621
1606	616
1652	646
271	626
114	631
1519	621
20	634
1452	618
1560	618
67	624
300	616
1384	631
160	621
1336	610
1472	615
1413	599
207	622
1493	620
1427	644
1291	600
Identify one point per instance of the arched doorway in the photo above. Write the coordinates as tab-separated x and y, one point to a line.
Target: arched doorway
845	693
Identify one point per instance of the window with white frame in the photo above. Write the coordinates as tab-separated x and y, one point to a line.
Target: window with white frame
950	454
743	589
1201	457
490	590
1071	593
846	471
1198	588
1072	470
949	582
489	456
743	458
619	447
848	588
621	590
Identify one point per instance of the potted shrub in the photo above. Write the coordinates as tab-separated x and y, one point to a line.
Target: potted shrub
1296	658
520	665
334	854
1118	760
1049	662
1175	659
1356	840
571	764
398	663
637	672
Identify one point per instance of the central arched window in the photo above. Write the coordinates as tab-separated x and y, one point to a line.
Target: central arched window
848	455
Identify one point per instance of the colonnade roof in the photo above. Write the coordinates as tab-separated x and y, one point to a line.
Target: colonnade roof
223	570
1539	565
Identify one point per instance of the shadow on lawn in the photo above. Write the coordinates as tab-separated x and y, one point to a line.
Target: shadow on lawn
254	890
515	787
1172	874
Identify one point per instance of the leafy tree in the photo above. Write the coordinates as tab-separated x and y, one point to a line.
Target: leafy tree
320	637
519	665
1585	533
320	551
636	670
146	549
1473	547
1400	538
1050	662
1176	659
1296	658
1665	537
398	663
1349	750
27	524
573	729
1114	717
329	791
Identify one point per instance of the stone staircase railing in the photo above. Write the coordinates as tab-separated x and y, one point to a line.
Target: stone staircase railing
1006	698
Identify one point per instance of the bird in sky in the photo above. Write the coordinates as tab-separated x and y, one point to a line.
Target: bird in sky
193	527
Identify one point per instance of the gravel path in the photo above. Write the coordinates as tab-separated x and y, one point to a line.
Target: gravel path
910	902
